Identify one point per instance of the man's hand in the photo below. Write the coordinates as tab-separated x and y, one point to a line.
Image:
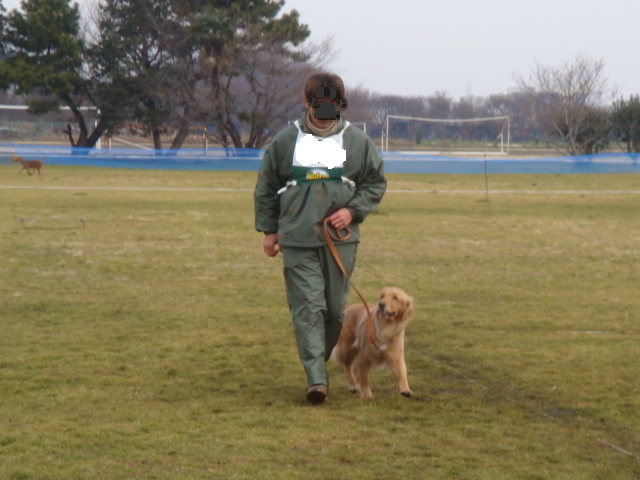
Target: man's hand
270	244
341	219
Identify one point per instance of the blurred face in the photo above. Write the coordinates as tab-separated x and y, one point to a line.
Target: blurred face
325	104
318	116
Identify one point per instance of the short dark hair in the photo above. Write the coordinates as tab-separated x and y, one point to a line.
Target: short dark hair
327	80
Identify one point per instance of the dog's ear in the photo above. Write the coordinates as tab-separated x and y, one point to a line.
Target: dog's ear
408	308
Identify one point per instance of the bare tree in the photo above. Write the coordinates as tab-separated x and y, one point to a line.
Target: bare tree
515	105
359	107
464	109
568	103
265	90
439	105
240	49
383	105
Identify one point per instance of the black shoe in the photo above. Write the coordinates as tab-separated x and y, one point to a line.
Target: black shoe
317	394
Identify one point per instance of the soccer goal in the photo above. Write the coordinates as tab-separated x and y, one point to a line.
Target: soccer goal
37	127
469	135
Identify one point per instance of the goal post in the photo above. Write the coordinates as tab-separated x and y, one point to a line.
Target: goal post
504	121
24	108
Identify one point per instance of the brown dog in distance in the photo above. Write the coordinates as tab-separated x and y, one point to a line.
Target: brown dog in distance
28	165
358	354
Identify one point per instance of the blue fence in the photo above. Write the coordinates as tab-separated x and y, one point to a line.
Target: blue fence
249	160
601	163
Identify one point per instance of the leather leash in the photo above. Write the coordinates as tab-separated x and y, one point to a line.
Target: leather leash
329	237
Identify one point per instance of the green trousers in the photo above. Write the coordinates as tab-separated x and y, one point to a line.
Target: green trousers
317	292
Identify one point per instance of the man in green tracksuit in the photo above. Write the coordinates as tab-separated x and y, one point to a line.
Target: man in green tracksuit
320	167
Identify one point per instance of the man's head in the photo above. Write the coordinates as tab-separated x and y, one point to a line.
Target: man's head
324	93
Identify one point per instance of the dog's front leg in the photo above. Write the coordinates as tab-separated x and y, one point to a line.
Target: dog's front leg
361	370
398	369
352	383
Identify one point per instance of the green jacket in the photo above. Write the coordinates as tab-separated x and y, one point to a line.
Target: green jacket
297	213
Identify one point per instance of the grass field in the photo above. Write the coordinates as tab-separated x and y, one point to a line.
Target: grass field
155	342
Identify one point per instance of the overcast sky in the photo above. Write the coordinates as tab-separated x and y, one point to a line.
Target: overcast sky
418	47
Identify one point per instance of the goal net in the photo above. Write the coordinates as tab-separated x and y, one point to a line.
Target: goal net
466	136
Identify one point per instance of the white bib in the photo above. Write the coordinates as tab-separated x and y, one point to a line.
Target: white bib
312	151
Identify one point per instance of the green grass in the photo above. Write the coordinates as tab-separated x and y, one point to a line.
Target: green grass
155	343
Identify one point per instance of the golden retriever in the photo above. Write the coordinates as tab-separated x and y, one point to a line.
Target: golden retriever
358	354
28	165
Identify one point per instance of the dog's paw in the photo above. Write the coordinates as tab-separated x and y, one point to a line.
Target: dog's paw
366	393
